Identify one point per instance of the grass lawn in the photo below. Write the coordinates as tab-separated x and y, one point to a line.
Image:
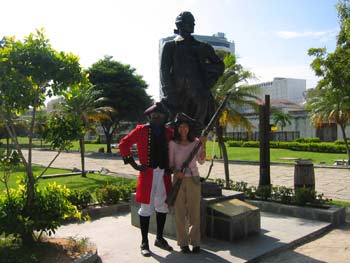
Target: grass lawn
75	182
340	203
276	155
89	147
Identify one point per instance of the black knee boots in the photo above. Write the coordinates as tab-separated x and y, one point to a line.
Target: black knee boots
144	225
160	241
161	217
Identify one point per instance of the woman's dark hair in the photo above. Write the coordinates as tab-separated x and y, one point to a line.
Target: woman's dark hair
177	136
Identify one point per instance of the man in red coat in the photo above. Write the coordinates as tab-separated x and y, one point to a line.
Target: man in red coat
154	181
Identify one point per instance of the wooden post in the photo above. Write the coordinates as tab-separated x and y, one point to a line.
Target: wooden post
264	138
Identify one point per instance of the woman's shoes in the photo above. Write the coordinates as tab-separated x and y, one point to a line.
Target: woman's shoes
196	250
185	250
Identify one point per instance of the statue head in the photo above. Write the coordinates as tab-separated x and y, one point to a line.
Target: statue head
184	23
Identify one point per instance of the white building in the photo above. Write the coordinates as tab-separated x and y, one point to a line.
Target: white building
284	89
218	41
52	104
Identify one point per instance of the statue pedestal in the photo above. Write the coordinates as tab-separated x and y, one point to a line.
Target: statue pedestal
226	224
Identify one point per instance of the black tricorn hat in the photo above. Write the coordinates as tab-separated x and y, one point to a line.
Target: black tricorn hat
157	107
184	118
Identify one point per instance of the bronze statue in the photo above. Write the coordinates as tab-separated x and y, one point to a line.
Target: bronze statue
188	70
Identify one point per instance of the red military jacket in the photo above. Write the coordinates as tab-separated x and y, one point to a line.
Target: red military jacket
141	137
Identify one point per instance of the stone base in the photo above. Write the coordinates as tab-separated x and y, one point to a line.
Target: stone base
232	219
170	226
334	214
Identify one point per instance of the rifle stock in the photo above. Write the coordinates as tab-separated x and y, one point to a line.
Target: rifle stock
171	198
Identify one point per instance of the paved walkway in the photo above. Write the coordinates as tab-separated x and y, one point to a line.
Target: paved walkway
121	244
334	247
332	182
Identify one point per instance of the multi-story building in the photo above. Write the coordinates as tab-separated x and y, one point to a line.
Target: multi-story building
287	95
218	41
284	89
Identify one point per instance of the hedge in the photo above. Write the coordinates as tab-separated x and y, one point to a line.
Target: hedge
324	147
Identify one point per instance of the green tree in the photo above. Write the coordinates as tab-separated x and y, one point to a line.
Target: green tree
234	80
333	69
61	130
81	102
31	70
40	125
281	118
4	134
326	107
125	91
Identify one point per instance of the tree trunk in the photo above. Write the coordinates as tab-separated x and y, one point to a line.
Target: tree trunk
27	235
224	154
8	145
108	141
82	156
342	127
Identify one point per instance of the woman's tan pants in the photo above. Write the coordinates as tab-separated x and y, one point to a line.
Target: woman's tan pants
187	213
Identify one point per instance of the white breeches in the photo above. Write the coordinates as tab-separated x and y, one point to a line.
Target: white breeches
158	196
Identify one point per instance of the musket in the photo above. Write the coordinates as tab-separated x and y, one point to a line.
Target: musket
170	200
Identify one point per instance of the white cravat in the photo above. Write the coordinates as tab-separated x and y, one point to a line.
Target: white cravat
179	38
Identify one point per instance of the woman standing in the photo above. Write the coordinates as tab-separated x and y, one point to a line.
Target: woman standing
187	204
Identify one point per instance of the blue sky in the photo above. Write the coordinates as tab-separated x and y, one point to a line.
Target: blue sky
272	37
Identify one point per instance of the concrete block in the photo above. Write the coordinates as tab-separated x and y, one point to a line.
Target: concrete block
170	226
332	214
232	219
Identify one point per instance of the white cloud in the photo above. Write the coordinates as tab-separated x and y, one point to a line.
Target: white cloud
322	35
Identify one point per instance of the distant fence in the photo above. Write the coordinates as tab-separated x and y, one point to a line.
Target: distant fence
287	136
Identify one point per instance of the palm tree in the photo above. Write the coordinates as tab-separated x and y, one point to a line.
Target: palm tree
82	102
281	118
330	105
233	80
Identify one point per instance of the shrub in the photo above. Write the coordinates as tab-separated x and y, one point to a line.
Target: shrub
320	199
50	208
308	140
96	141
240	186
220	182
250	192
226	138
126	190
234	143
263	192
341	142
250	144
12	220
304	195
108	195
282	194
80	198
